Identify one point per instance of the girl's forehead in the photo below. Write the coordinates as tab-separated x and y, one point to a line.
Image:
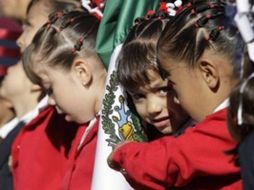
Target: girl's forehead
38	10
155	82
168	65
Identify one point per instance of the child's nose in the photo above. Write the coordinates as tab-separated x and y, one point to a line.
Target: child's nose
51	101
153	107
20	42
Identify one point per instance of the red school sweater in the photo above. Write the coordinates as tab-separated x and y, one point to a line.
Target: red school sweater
195	160
42	151
79	174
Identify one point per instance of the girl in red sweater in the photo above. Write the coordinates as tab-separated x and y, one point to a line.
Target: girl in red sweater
62	59
196	52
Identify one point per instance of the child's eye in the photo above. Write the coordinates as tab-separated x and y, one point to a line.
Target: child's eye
164	90
137	97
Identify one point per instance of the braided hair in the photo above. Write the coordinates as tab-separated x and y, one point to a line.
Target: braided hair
199	26
64	37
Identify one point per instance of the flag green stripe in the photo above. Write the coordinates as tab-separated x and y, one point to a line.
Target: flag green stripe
118	17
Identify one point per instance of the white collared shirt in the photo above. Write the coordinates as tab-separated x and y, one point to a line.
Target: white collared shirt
223	105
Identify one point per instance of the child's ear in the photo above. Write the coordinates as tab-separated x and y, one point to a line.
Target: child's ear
209	73
83	71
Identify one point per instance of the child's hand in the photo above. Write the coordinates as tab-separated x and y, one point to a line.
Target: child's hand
110	159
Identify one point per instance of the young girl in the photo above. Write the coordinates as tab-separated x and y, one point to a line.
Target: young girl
241	121
139	75
63	53
196	52
43	149
24	96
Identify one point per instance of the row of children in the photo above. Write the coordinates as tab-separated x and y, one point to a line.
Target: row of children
177	71
44	144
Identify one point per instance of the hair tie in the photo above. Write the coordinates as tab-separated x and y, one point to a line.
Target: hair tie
66	23
163	7
57	29
79	43
211	5
215	33
189	5
171	8
193	11
54	16
48	24
150	14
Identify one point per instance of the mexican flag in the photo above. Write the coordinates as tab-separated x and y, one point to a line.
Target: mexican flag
117	122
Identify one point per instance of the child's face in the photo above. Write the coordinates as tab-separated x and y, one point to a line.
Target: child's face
154	103
15	83
66	93
36	17
189	86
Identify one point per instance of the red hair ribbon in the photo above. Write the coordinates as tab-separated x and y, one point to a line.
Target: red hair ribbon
171	8
95	7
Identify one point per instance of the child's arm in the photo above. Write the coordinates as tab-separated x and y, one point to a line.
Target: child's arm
170	161
139	166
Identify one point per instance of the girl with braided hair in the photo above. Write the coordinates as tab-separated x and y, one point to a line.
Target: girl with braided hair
62	59
48	141
196	53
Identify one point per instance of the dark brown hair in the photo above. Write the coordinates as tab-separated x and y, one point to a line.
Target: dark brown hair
58	42
199	26
242	96
138	53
